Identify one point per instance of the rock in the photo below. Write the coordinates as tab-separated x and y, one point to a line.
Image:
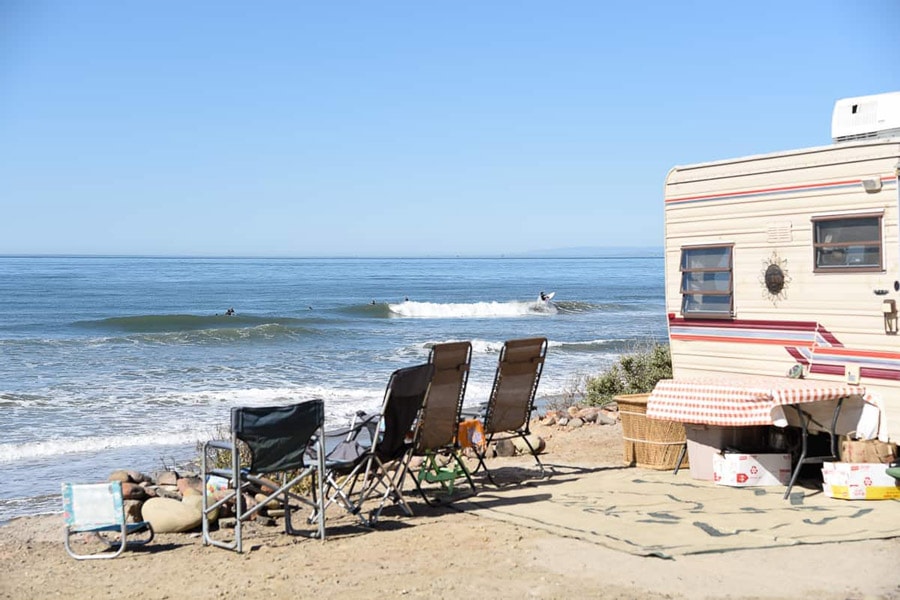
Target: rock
589	414
119	475
272	504
606	419
133	511
572	411
505	448
133	491
166	478
190	486
137	477
166	491
563	421
549	420
171	516
575	423
537	443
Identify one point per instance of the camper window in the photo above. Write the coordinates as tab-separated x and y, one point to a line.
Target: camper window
847	243
706	282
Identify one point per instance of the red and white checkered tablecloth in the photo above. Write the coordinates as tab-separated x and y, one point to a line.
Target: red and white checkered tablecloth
738	400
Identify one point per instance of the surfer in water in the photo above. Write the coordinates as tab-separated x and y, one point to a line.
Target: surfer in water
229	312
544	296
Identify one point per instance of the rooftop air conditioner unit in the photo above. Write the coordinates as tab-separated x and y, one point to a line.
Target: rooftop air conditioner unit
866	117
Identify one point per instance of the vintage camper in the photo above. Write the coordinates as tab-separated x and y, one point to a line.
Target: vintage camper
788	264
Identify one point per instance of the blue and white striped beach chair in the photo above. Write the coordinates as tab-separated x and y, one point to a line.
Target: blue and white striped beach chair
98	508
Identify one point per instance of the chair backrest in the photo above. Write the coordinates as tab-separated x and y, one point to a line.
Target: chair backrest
277	436
89	506
439	422
403	400
515	385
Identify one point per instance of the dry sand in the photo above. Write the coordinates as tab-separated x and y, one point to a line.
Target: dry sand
442	553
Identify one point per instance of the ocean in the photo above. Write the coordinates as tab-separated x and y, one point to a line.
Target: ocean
123	362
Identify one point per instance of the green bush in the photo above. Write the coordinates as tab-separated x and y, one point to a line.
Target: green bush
635	373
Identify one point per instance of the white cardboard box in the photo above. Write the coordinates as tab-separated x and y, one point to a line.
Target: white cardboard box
705	441
745	470
858	481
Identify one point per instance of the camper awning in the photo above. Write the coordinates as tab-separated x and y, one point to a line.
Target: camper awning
735	400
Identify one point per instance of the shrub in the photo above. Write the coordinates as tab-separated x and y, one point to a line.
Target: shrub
635	373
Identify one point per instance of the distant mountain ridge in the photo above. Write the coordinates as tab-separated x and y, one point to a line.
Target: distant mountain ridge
596	252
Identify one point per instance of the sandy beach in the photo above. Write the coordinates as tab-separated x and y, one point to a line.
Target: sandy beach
446	552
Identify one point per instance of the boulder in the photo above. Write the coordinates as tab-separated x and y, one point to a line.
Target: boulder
166	491
589	414
190	486
137	477
166	478
576	422
171	516
536	442
119	475
505	448
133	511
133	491
605	418
572	411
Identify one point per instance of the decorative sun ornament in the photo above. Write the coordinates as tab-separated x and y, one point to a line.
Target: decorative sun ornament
775	279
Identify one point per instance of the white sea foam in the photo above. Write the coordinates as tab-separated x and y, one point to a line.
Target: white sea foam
475	310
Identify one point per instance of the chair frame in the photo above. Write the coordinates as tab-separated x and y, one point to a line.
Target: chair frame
397	429
305	423
439	423
508	414
107	510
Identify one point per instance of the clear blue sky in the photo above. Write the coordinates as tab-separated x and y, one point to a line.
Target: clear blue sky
401	127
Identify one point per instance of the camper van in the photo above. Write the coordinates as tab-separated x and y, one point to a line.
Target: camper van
788	264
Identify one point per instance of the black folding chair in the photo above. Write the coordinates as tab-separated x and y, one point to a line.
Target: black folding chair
394	437
277	438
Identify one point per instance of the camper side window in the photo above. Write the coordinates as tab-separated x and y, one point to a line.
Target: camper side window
707	290
847	243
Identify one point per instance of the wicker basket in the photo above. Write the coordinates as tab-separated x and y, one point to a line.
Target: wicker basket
649	443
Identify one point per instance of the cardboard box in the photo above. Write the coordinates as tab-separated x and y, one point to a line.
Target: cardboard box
867	451
751	470
859	481
705	441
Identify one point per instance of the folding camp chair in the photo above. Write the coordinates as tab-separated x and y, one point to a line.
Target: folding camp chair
439	422
277	438
392	445
98	508
511	402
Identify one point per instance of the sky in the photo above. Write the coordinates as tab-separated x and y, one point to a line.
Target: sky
401	128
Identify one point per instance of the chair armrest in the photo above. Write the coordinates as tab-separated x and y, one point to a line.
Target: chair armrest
218	445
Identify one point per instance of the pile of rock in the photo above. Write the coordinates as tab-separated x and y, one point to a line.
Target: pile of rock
172	501
578	417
